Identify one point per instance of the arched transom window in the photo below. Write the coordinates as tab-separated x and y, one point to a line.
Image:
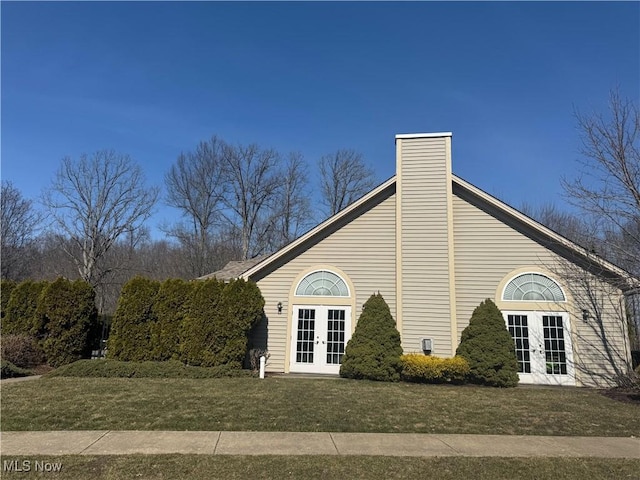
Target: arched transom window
533	287
322	283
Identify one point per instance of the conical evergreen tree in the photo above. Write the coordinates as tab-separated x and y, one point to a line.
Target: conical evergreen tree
374	351
489	348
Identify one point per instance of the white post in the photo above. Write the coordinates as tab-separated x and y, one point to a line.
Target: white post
263	361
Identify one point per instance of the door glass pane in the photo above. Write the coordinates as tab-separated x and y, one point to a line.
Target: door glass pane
554	352
306	335
335	336
519	330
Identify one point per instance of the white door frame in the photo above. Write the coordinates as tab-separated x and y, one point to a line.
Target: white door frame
318	345
541	348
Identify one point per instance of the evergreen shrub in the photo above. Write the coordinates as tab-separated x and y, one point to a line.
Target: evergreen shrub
420	368
68	314
488	347
21	313
220	316
9	370
6	287
374	350
169	309
133	320
147	369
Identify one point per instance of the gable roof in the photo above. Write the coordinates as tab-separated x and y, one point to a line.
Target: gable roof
534	229
234	269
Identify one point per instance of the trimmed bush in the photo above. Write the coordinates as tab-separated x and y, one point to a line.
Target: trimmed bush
170	307
216	327
21	314
6	287
168	369
9	370
68	314
130	337
373	353
420	368
488	347
243	307
22	350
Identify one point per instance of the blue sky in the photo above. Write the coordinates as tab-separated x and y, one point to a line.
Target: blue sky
153	79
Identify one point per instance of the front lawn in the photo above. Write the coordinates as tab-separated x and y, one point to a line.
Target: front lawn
193	467
296	404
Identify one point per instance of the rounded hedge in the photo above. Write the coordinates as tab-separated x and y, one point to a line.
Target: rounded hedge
488	347
374	350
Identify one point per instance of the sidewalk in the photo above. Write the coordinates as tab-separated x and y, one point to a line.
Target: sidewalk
311	443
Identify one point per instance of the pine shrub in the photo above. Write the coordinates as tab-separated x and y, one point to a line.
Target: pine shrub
374	351
488	347
198	337
68	314
170	308
6	287
420	368
147	369
132	323
216	327
9	370
21	314
243	307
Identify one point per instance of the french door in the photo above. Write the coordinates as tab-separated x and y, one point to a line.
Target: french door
319	336
543	347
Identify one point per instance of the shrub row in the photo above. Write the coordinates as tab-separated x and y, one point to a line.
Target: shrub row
148	369
203	323
59	317
9	370
420	368
485	356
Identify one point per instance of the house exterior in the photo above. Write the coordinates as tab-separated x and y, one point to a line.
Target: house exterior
435	246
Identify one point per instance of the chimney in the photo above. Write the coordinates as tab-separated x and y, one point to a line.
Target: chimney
424	242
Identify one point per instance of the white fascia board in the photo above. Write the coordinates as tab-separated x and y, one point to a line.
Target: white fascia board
423	135
318	228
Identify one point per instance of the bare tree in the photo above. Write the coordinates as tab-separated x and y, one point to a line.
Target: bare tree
95	201
19	223
607	189
344	177
569	225
196	186
253	179
292	214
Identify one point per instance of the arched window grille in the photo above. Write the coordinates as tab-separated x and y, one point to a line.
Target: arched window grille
533	287
322	283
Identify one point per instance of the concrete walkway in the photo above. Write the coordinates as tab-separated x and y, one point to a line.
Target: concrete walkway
300	443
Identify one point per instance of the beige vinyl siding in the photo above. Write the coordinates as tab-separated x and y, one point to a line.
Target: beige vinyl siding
364	250
486	250
424	262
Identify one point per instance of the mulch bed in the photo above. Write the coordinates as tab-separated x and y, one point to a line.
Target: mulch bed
623	395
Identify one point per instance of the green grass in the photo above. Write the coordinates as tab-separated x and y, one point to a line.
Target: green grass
167	369
295	404
318	467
